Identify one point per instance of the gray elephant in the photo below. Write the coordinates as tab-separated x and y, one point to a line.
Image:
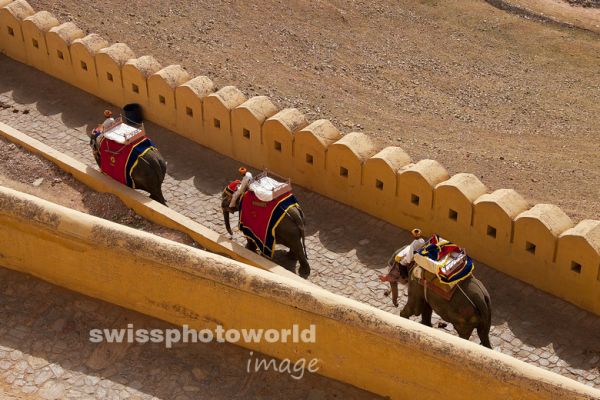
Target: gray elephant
469	308
145	171
289	232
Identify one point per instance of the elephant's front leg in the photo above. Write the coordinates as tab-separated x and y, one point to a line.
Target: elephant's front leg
407	311
426	314
415	302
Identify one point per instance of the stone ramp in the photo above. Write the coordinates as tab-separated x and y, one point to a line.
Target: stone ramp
347	248
45	352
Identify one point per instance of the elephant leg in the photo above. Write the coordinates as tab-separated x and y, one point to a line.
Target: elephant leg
406	312
426	314
157	195
464	332
484	335
304	270
290	233
291	255
250	245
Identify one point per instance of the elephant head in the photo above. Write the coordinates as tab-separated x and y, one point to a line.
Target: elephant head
94	135
398	273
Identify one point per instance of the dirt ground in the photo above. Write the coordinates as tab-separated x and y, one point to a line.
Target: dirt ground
30	173
584	3
514	101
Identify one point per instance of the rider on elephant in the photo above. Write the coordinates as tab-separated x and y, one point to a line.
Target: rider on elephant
246	181
109	121
416	244
399	259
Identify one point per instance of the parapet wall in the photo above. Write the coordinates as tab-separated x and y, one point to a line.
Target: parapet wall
538	244
379	352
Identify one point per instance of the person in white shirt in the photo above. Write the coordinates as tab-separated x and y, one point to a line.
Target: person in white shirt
246	181
109	121
416	244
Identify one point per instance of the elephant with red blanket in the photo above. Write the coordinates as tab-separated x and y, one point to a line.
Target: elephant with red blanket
265	224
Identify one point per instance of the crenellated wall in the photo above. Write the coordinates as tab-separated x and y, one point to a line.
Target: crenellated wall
538	244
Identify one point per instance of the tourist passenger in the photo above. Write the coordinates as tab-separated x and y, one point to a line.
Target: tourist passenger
246	181
416	244
109	121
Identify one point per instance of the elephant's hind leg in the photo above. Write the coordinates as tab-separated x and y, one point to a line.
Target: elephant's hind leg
298	251
158	196
304	270
484	335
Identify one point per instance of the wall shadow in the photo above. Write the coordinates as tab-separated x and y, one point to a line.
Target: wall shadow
50	96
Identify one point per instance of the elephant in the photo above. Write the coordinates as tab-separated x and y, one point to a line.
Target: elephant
289	232
468	309
147	175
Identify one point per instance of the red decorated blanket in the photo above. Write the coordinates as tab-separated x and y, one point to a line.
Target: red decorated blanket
259	219
118	160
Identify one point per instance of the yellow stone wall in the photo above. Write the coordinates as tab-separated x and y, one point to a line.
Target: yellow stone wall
414	202
343	167
161	95
535	240
83	56
246	130
348	168
310	145
354	343
278	140
12	15
380	180
136	72
577	260
189	98
59	40
453	206
34	29
109	64
493	225
217	108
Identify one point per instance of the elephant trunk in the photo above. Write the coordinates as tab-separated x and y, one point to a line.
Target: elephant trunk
394	288
226	220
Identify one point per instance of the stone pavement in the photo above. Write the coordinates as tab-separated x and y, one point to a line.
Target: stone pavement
45	352
347	248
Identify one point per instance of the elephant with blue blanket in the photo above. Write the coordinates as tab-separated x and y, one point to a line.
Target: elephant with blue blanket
469	307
